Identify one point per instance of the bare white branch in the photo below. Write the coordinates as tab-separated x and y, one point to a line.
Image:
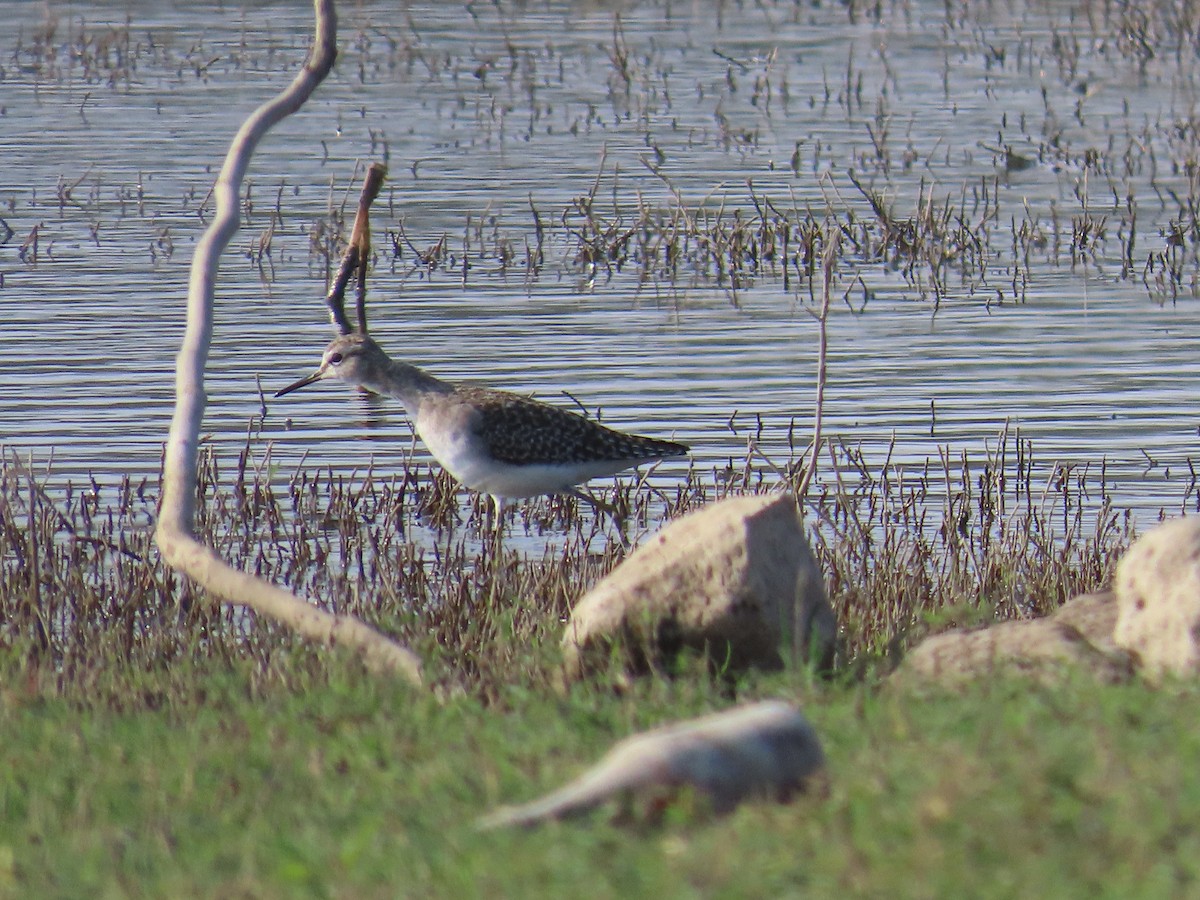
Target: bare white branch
175	533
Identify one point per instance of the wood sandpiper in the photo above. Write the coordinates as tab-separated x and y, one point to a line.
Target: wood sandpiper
492	441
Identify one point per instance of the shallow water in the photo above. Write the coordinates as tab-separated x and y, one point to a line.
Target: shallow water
481	112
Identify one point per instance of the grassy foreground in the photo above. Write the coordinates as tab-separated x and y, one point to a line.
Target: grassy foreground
153	744
309	778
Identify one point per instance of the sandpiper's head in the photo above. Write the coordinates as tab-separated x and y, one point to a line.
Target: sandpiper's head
348	357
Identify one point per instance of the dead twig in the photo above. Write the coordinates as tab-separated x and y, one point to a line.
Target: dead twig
833	241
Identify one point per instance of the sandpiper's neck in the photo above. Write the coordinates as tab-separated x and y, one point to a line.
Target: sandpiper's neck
405	382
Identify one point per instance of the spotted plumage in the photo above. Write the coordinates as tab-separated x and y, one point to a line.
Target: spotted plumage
522	431
492	441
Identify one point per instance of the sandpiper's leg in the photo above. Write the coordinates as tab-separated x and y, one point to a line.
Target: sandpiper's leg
603	509
595	502
496	520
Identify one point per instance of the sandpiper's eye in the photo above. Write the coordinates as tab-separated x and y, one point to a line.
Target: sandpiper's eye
335	358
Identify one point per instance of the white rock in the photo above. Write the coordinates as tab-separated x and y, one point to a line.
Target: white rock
735	579
1158	595
767	750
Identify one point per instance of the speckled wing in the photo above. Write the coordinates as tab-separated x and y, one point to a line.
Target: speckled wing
523	431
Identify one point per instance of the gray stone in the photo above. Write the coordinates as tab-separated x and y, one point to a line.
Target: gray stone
736	580
764	751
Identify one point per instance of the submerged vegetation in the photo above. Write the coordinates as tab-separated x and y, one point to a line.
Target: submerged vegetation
703	177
